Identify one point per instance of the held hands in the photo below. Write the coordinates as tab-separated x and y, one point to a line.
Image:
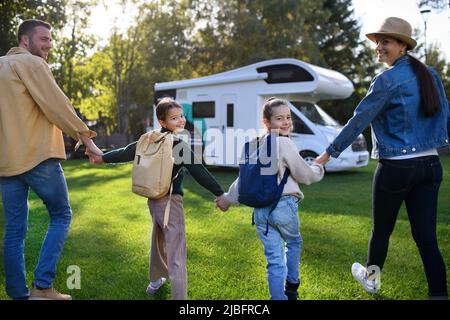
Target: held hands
222	203
323	158
90	145
94	158
92	151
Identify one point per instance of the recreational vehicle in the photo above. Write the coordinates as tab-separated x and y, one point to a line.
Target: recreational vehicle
226	108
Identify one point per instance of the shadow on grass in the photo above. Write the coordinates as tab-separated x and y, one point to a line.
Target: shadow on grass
113	263
225	257
112	266
338	251
38	223
87	180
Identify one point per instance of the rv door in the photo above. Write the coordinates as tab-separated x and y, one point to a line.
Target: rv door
224	121
227	105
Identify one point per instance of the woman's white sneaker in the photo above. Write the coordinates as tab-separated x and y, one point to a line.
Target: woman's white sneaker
370	283
154	286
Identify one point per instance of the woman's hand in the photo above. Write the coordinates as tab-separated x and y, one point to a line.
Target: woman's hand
323	158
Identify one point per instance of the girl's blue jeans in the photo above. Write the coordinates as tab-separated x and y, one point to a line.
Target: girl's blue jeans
48	182
282	244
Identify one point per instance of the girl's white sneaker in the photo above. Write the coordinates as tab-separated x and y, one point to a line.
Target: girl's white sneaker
371	284
154	286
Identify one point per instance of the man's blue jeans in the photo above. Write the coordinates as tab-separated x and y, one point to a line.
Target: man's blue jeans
48	182
283	227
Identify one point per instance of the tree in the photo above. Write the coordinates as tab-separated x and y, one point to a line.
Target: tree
435	59
341	49
97	100
73	44
12	13
240	32
434	4
322	32
155	49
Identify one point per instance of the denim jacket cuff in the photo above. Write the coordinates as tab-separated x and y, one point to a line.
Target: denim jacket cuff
332	151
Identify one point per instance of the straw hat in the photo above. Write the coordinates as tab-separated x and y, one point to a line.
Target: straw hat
395	28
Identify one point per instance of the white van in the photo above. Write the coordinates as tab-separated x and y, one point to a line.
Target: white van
229	104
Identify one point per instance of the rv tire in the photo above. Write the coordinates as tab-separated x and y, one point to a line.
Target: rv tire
308	156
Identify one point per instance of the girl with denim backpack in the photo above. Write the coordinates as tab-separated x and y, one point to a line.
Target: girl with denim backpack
279	227
168	247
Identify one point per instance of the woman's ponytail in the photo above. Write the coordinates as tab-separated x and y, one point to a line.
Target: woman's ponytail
428	92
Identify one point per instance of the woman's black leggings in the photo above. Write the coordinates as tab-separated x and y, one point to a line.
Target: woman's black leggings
416	182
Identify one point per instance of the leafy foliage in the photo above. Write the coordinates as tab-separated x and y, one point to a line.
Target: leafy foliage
179	39
13	12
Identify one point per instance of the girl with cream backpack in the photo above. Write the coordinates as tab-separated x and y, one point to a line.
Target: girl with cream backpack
159	160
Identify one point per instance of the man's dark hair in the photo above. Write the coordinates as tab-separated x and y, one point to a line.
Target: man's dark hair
27	27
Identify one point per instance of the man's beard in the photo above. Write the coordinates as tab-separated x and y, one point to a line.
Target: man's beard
34	50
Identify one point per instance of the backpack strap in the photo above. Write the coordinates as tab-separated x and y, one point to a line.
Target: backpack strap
286	174
167	210
163	136
160	139
269	145
247	152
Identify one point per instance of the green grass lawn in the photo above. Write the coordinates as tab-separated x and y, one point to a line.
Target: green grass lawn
110	239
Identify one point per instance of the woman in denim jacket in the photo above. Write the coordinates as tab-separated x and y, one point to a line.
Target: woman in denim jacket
409	115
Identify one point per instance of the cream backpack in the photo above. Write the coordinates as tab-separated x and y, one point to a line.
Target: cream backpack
152	167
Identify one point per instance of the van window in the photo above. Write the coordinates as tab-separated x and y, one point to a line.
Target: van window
299	125
315	114
164	93
204	109
282	73
230	115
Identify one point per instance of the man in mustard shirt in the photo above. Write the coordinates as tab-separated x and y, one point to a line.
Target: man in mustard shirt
33	113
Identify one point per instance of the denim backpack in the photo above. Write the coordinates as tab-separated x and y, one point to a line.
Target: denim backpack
255	189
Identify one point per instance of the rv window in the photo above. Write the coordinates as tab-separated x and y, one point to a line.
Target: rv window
204	109
300	126
315	114
165	93
282	73
230	115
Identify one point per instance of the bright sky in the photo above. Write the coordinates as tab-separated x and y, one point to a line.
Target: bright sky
104	18
370	12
